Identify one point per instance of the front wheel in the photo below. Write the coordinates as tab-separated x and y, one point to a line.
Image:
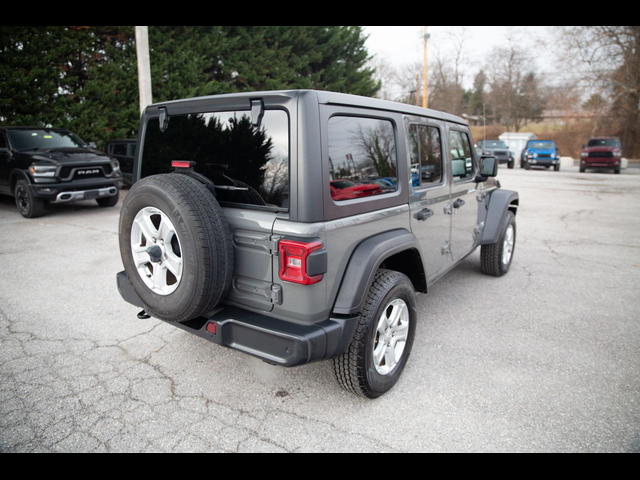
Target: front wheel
109	201
383	340
511	164
556	168
496	258
29	205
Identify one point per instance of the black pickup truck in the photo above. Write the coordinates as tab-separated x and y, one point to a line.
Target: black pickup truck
40	165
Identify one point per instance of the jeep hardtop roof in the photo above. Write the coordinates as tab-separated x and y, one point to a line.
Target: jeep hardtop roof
327	98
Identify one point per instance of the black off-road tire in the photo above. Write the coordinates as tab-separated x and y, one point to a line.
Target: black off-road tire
491	256
29	205
556	168
109	201
527	166
617	171
205	241
511	164
583	170
354	369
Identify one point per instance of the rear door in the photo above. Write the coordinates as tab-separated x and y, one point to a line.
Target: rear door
429	199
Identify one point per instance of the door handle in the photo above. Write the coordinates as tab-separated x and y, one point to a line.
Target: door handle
424	214
459	203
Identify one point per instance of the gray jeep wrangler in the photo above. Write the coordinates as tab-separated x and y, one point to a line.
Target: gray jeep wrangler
290	226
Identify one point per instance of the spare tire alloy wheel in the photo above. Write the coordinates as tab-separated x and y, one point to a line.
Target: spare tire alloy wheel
176	247
156	250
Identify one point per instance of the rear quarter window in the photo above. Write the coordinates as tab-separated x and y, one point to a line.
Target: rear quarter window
362	158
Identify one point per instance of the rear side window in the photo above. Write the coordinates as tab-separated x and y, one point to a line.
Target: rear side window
426	155
362	158
228	150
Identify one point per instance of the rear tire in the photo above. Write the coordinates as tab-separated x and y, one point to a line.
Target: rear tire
176	247
496	258
376	358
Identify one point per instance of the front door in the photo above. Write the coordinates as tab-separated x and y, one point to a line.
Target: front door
430	196
5	166
464	205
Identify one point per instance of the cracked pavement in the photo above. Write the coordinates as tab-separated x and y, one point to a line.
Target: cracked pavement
544	359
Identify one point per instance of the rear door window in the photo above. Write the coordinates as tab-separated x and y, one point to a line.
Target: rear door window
228	150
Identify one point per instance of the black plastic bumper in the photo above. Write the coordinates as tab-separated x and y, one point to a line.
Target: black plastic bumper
275	341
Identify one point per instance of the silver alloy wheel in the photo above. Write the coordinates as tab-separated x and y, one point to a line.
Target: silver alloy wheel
156	250
509	241
391	337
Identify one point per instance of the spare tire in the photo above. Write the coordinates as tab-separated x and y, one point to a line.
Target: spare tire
176	246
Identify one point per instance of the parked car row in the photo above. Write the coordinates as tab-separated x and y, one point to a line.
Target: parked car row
599	153
53	165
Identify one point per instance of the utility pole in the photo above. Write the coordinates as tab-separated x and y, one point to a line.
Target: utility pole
144	67
425	101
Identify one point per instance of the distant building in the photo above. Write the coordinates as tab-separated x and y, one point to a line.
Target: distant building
516	141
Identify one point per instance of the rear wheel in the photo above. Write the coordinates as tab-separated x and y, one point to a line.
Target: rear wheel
383	340
176	246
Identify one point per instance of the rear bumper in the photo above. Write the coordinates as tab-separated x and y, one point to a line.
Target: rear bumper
275	341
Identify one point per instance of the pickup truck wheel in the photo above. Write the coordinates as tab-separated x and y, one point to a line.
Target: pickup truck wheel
496	258
511	164
556	168
378	353
176	247
109	201
28	204
527	166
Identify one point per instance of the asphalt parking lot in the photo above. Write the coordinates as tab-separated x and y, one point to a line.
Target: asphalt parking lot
546	359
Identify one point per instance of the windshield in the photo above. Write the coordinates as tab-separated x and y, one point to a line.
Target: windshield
493	144
228	150
542	145
604	142
44	139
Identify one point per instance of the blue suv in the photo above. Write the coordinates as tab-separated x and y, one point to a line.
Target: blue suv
541	153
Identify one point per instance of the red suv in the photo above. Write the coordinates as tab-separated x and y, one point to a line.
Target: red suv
601	153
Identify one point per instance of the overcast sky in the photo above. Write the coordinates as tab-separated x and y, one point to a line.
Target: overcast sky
401	45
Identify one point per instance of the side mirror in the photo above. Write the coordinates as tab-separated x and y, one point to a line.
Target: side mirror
92	145
488	166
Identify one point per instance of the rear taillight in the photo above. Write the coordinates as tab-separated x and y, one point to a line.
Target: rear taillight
294	261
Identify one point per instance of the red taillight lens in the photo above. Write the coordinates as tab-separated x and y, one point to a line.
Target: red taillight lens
293	261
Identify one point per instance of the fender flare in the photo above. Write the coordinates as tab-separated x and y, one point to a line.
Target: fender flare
365	262
499	202
16	175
